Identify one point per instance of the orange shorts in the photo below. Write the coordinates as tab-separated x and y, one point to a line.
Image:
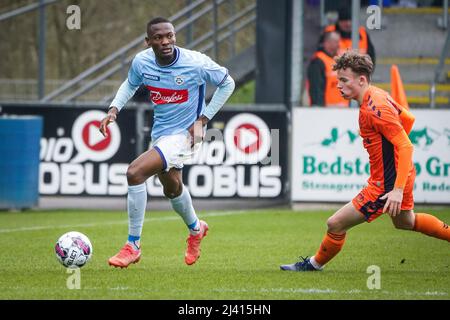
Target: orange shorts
368	201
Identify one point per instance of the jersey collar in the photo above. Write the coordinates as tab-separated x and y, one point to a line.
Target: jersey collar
177	56
367	96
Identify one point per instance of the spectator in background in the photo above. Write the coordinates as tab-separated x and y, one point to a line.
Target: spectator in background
322	80
344	27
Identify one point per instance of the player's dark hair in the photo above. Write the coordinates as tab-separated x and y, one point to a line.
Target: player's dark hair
156	21
359	63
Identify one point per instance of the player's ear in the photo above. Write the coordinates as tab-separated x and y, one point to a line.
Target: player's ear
361	80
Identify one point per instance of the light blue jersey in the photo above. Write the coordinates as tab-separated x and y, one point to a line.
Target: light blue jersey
177	91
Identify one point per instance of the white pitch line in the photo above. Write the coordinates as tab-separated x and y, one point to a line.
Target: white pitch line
88	225
329	291
314	291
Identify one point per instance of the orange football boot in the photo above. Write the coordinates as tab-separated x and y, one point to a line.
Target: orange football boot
193	248
126	256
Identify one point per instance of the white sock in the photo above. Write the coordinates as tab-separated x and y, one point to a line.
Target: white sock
314	263
183	206
136	203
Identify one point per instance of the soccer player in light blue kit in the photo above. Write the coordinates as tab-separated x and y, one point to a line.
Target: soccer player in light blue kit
176	79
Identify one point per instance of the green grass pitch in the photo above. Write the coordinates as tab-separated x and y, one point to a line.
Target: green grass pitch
240	258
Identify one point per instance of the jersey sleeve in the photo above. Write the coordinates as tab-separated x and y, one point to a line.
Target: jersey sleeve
406	117
212	72
134	74
386	121
405	152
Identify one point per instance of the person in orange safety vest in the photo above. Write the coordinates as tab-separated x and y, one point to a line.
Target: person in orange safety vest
322	80
344	27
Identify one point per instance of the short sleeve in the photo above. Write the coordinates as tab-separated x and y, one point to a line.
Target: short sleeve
134	74
385	120
212	72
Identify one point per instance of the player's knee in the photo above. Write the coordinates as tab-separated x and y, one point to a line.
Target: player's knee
334	225
404	221
133	176
403	225
173	191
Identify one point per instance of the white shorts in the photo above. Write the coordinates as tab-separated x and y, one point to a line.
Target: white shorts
175	149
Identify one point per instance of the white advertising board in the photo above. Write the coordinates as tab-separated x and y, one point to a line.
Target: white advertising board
330	164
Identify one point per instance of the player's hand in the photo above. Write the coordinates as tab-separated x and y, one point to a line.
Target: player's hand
110	118
196	130
393	202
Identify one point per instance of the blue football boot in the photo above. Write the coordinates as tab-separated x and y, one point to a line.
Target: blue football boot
303	265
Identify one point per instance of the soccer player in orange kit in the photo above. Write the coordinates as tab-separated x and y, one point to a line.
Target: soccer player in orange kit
384	127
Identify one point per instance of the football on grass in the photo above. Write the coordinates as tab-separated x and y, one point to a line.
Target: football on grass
73	249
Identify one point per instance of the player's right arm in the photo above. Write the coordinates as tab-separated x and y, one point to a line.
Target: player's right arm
125	92
110	118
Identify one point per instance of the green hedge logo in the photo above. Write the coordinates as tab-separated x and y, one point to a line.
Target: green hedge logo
335	137
427	136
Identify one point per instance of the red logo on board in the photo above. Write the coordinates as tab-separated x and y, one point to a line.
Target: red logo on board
92	139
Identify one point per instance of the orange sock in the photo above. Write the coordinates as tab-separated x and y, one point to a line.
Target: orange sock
331	245
431	226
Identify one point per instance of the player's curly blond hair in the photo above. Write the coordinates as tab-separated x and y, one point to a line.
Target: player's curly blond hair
359	63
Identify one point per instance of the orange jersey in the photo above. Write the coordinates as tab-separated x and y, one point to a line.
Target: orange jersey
380	123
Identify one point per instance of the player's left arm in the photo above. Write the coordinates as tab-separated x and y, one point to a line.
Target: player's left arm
210	71
405	150
220	96
388	124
